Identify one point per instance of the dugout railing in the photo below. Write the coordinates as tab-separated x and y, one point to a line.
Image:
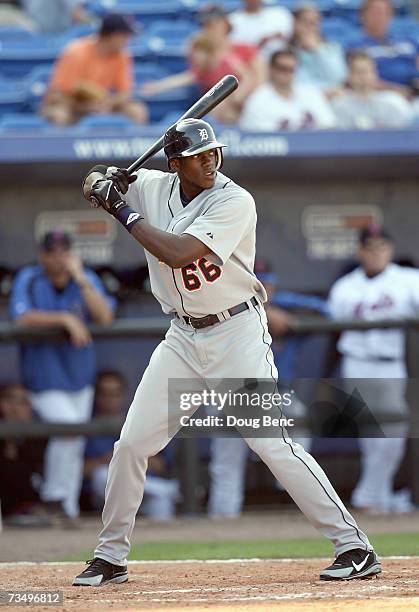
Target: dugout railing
188	452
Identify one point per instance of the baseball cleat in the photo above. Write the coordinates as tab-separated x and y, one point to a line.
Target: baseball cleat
101	572
355	563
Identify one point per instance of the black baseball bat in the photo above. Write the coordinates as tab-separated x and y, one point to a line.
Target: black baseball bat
204	105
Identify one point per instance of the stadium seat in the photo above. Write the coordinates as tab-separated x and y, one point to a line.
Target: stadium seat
349	9
161	104
339	30
11	96
167	44
112	122
14	33
148	71
324	6
18	58
404	27
193	6
145	11
35	86
77	31
170	118
23	121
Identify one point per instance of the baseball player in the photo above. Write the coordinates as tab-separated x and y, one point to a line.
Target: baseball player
378	289
198	230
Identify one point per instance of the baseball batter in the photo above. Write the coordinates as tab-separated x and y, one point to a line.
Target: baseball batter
198	230
378	289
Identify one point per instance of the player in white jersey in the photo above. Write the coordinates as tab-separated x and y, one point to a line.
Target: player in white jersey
378	289
198	229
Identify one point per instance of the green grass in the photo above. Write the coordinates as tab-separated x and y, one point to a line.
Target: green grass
386	544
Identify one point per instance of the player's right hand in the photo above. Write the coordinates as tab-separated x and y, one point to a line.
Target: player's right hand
120	178
77	330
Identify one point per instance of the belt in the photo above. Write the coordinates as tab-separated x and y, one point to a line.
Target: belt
212	319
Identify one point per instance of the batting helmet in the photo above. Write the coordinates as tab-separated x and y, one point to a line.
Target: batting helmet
190	137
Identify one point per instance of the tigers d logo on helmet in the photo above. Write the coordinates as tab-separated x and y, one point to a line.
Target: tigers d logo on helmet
190	137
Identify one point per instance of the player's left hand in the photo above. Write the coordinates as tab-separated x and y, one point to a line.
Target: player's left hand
104	194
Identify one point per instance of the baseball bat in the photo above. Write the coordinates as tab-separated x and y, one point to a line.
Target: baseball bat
204	105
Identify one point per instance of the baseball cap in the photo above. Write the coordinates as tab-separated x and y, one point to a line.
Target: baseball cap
55	238
114	22
210	11
373	231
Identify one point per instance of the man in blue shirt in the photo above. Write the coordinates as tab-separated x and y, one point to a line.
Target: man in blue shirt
396	55
59	291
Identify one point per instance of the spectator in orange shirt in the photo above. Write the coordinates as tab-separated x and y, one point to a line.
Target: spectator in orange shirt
94	75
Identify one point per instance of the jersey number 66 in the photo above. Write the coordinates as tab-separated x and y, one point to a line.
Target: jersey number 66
191	277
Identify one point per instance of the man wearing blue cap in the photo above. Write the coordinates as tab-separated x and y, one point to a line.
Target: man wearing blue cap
60	292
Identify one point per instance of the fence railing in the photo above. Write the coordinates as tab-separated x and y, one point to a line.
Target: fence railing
157	326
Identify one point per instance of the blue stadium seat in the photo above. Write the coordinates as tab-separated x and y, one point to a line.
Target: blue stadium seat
193	6
11	96
112	122
349	9
170	118
148	71
167	44
145	11
404	27
35	86
23	121
18	58
324	6
161	104
14	33
77	31
174	115
339	30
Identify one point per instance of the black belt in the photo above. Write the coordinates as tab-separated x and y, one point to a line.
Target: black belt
212	319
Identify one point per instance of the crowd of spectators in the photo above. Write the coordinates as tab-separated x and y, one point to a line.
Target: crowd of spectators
94	74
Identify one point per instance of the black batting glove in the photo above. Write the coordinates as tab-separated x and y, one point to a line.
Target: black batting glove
120	177
104	194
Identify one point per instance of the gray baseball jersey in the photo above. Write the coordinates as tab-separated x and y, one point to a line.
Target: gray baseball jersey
224	219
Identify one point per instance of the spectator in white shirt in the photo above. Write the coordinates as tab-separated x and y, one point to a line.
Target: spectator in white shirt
260	25
362	106
281	104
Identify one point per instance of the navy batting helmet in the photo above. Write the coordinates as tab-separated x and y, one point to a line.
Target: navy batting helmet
190	137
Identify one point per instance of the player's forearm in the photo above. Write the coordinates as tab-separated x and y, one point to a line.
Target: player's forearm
96	304
175	251
42	318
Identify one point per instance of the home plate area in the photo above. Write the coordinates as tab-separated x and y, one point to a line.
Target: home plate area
223	585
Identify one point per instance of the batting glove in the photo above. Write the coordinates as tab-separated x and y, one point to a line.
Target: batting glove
104	194
120	178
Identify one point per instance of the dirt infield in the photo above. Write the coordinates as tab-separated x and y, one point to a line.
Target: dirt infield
230	585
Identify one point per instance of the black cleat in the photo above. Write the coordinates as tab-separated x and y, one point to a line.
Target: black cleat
101	572
355	563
